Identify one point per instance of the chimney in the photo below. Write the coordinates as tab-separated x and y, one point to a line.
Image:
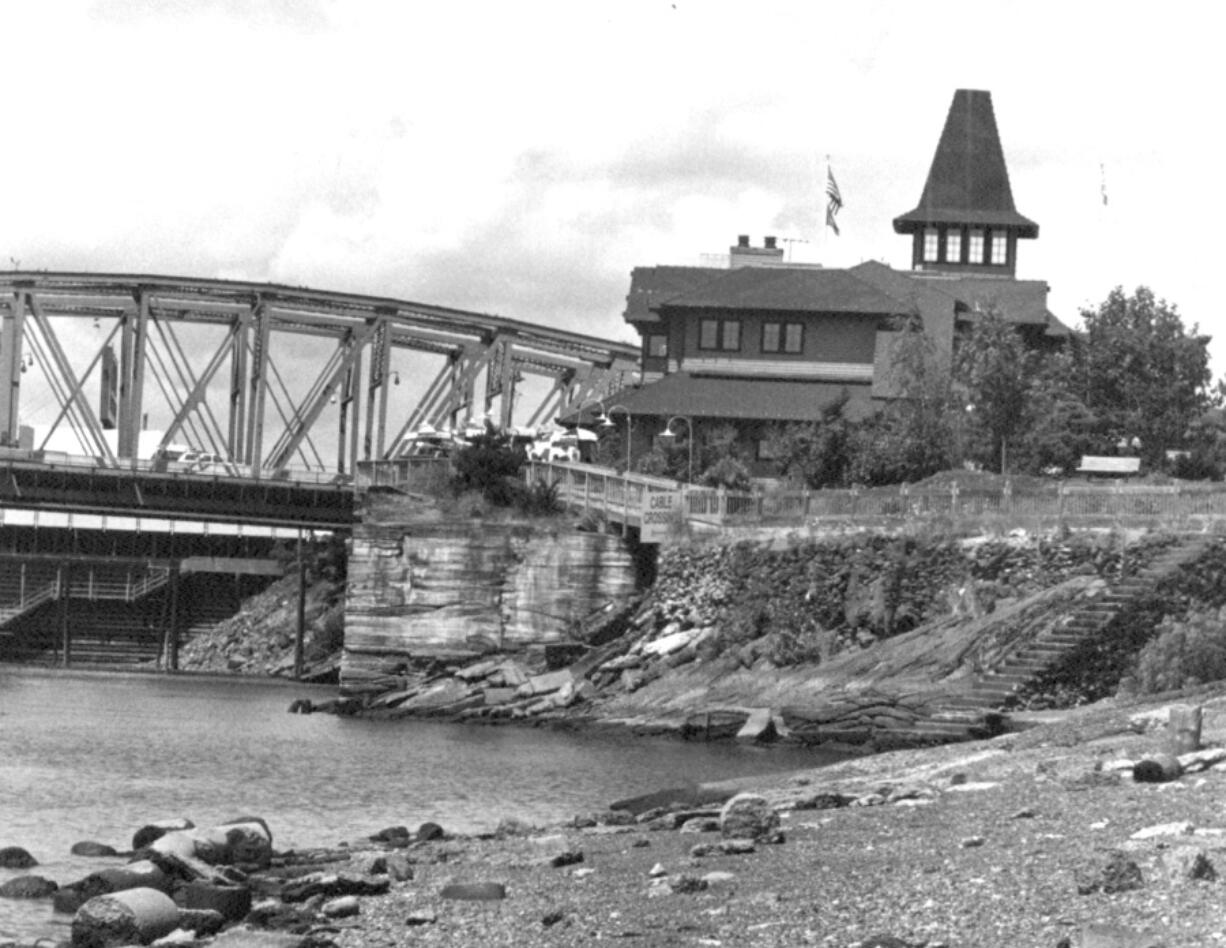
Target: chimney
743	254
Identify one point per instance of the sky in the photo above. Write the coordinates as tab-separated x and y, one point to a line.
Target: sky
521	159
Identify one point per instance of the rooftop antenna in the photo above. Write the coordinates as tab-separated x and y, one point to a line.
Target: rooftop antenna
793	240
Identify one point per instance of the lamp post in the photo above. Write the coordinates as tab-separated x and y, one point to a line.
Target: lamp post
668	434
606	422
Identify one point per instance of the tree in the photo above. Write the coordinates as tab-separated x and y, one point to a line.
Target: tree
816	453
1058	428
1146	376
916	434
993	366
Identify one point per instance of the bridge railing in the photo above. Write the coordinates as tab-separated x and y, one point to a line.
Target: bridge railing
416	474
215	470
619	497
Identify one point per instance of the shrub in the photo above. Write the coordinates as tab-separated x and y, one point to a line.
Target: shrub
1184	652
727	472
491	466
540	499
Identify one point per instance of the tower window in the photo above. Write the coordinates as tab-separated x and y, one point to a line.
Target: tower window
931	245
1000	249
975	247
953	246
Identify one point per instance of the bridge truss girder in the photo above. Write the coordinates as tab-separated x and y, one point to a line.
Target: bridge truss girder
210	357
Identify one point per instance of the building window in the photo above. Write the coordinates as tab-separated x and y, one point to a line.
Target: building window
1000	249
657	347
723	335
767	449
782	337
975	247
953	246
931	245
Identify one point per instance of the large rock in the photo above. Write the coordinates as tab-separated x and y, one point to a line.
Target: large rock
132	917
142	874
232	902
150	832
245	842
14	857
748	816
27	887
759	727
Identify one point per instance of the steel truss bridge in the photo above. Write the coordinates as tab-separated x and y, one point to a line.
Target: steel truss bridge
270	378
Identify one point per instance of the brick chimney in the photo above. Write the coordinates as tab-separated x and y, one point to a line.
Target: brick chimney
745	255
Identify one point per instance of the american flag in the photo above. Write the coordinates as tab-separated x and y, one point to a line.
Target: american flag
834	200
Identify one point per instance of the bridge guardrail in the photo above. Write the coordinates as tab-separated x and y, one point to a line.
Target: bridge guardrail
213	471
619	497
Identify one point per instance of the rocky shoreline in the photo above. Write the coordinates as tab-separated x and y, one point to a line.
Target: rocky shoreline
1058	834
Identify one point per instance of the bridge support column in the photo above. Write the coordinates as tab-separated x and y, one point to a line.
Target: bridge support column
12	320
170	627
300	635
63	580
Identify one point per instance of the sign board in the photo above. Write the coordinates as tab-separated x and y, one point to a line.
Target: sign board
658	515
1108	465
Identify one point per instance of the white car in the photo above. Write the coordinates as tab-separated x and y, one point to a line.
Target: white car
564	445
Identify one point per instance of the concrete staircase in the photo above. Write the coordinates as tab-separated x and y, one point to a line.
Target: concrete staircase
994	688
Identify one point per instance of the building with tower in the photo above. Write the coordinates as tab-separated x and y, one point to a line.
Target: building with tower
762	341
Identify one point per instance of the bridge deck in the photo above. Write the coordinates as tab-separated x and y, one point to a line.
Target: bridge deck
138	492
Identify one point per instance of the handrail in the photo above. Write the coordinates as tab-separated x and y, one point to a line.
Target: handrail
30	601
618	497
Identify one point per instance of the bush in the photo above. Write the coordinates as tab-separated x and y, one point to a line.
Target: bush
541	499
1184	652
727	472
491	466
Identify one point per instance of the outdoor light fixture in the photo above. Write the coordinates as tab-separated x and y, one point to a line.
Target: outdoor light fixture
668	434
395	378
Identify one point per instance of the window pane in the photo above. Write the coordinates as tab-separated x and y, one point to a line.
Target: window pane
930	245
657	346
976	247
708	334
793	341
953	246
732	335
1000	249
770	337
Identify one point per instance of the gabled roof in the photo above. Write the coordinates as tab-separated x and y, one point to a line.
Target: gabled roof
1020	301
651	285
915	294
791	289
968	182
757	399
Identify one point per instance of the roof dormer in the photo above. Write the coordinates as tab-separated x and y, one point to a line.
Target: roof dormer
966	221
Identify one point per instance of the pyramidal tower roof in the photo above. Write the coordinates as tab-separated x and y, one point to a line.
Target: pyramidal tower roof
968	182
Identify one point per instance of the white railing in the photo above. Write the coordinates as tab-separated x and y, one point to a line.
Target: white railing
410	473
619	497
29	601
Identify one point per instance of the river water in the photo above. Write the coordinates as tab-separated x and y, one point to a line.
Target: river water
95	756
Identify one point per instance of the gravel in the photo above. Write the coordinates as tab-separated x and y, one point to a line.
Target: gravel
977	845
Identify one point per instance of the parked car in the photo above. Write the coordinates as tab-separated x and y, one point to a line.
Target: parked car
565	444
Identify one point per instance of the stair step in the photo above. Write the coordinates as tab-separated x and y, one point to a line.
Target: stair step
1023	667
